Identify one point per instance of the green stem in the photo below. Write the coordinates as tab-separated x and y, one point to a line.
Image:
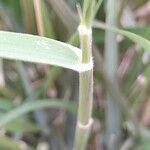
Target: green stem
85	110
113	110
85	35
84	120
86	96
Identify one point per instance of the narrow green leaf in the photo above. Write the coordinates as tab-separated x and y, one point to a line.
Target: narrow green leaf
37	49
144	43
22	125
143	31
34	105
98	4
88	12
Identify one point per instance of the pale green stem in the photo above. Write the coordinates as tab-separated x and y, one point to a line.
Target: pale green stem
39	17
113	110
85	110
84	120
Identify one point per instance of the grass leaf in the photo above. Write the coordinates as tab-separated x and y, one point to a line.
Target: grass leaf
37	49
34	105
22	125
144	43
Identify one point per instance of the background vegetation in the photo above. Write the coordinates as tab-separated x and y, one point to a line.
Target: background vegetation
38	103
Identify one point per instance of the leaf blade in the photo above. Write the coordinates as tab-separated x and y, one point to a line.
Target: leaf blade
144	43
31	48
31	106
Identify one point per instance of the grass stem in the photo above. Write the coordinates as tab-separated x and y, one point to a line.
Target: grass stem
113	110
84	120
39	18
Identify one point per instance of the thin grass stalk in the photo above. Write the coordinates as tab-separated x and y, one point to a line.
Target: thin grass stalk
84	120
39	18
28	15
2	79
113	110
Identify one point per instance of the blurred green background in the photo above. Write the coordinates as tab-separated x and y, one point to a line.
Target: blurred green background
53	128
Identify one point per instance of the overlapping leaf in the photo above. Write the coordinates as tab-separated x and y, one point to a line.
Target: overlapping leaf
34	105
37	49
144	43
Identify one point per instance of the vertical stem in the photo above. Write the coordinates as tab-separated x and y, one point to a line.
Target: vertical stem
2	79
39	18
85	96
27	15
84	120
113	112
